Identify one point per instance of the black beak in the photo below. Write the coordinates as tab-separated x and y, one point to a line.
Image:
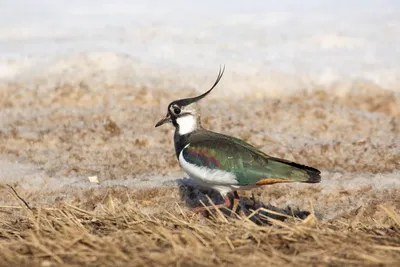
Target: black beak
165	120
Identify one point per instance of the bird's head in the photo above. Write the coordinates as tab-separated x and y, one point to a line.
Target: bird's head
183	113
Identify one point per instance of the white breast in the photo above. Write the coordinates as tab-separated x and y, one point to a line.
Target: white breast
207	176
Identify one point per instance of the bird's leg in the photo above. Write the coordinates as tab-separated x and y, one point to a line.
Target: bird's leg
253	198
236	200
227	204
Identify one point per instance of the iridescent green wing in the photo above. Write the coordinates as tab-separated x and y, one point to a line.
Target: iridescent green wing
248	164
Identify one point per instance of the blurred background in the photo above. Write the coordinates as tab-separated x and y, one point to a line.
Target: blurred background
271	46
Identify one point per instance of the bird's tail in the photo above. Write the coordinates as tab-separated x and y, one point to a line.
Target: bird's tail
313	175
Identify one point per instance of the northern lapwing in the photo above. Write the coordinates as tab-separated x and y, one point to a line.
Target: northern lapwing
222	162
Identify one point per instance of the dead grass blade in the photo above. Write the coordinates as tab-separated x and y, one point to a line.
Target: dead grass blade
125	234
267	211
387	247
14	193
392	214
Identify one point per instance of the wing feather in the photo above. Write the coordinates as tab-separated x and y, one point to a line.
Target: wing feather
250	165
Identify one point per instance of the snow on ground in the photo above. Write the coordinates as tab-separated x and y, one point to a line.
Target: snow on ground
279	45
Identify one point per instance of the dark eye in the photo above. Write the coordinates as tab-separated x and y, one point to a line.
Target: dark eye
177	110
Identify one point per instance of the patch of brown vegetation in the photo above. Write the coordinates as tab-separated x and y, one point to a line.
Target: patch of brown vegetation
71	131
318	129
120	233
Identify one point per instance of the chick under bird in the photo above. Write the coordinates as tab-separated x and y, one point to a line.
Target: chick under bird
222	162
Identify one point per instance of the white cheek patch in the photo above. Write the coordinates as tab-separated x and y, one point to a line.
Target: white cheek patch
187	124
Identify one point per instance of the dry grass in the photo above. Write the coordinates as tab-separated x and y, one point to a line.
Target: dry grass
120	233
53	137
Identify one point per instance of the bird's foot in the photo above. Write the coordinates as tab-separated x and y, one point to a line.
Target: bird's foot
236	201
225	205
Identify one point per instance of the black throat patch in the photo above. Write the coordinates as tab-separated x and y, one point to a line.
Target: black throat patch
180	141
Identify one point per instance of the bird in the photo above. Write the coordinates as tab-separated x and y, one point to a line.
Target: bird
226	163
